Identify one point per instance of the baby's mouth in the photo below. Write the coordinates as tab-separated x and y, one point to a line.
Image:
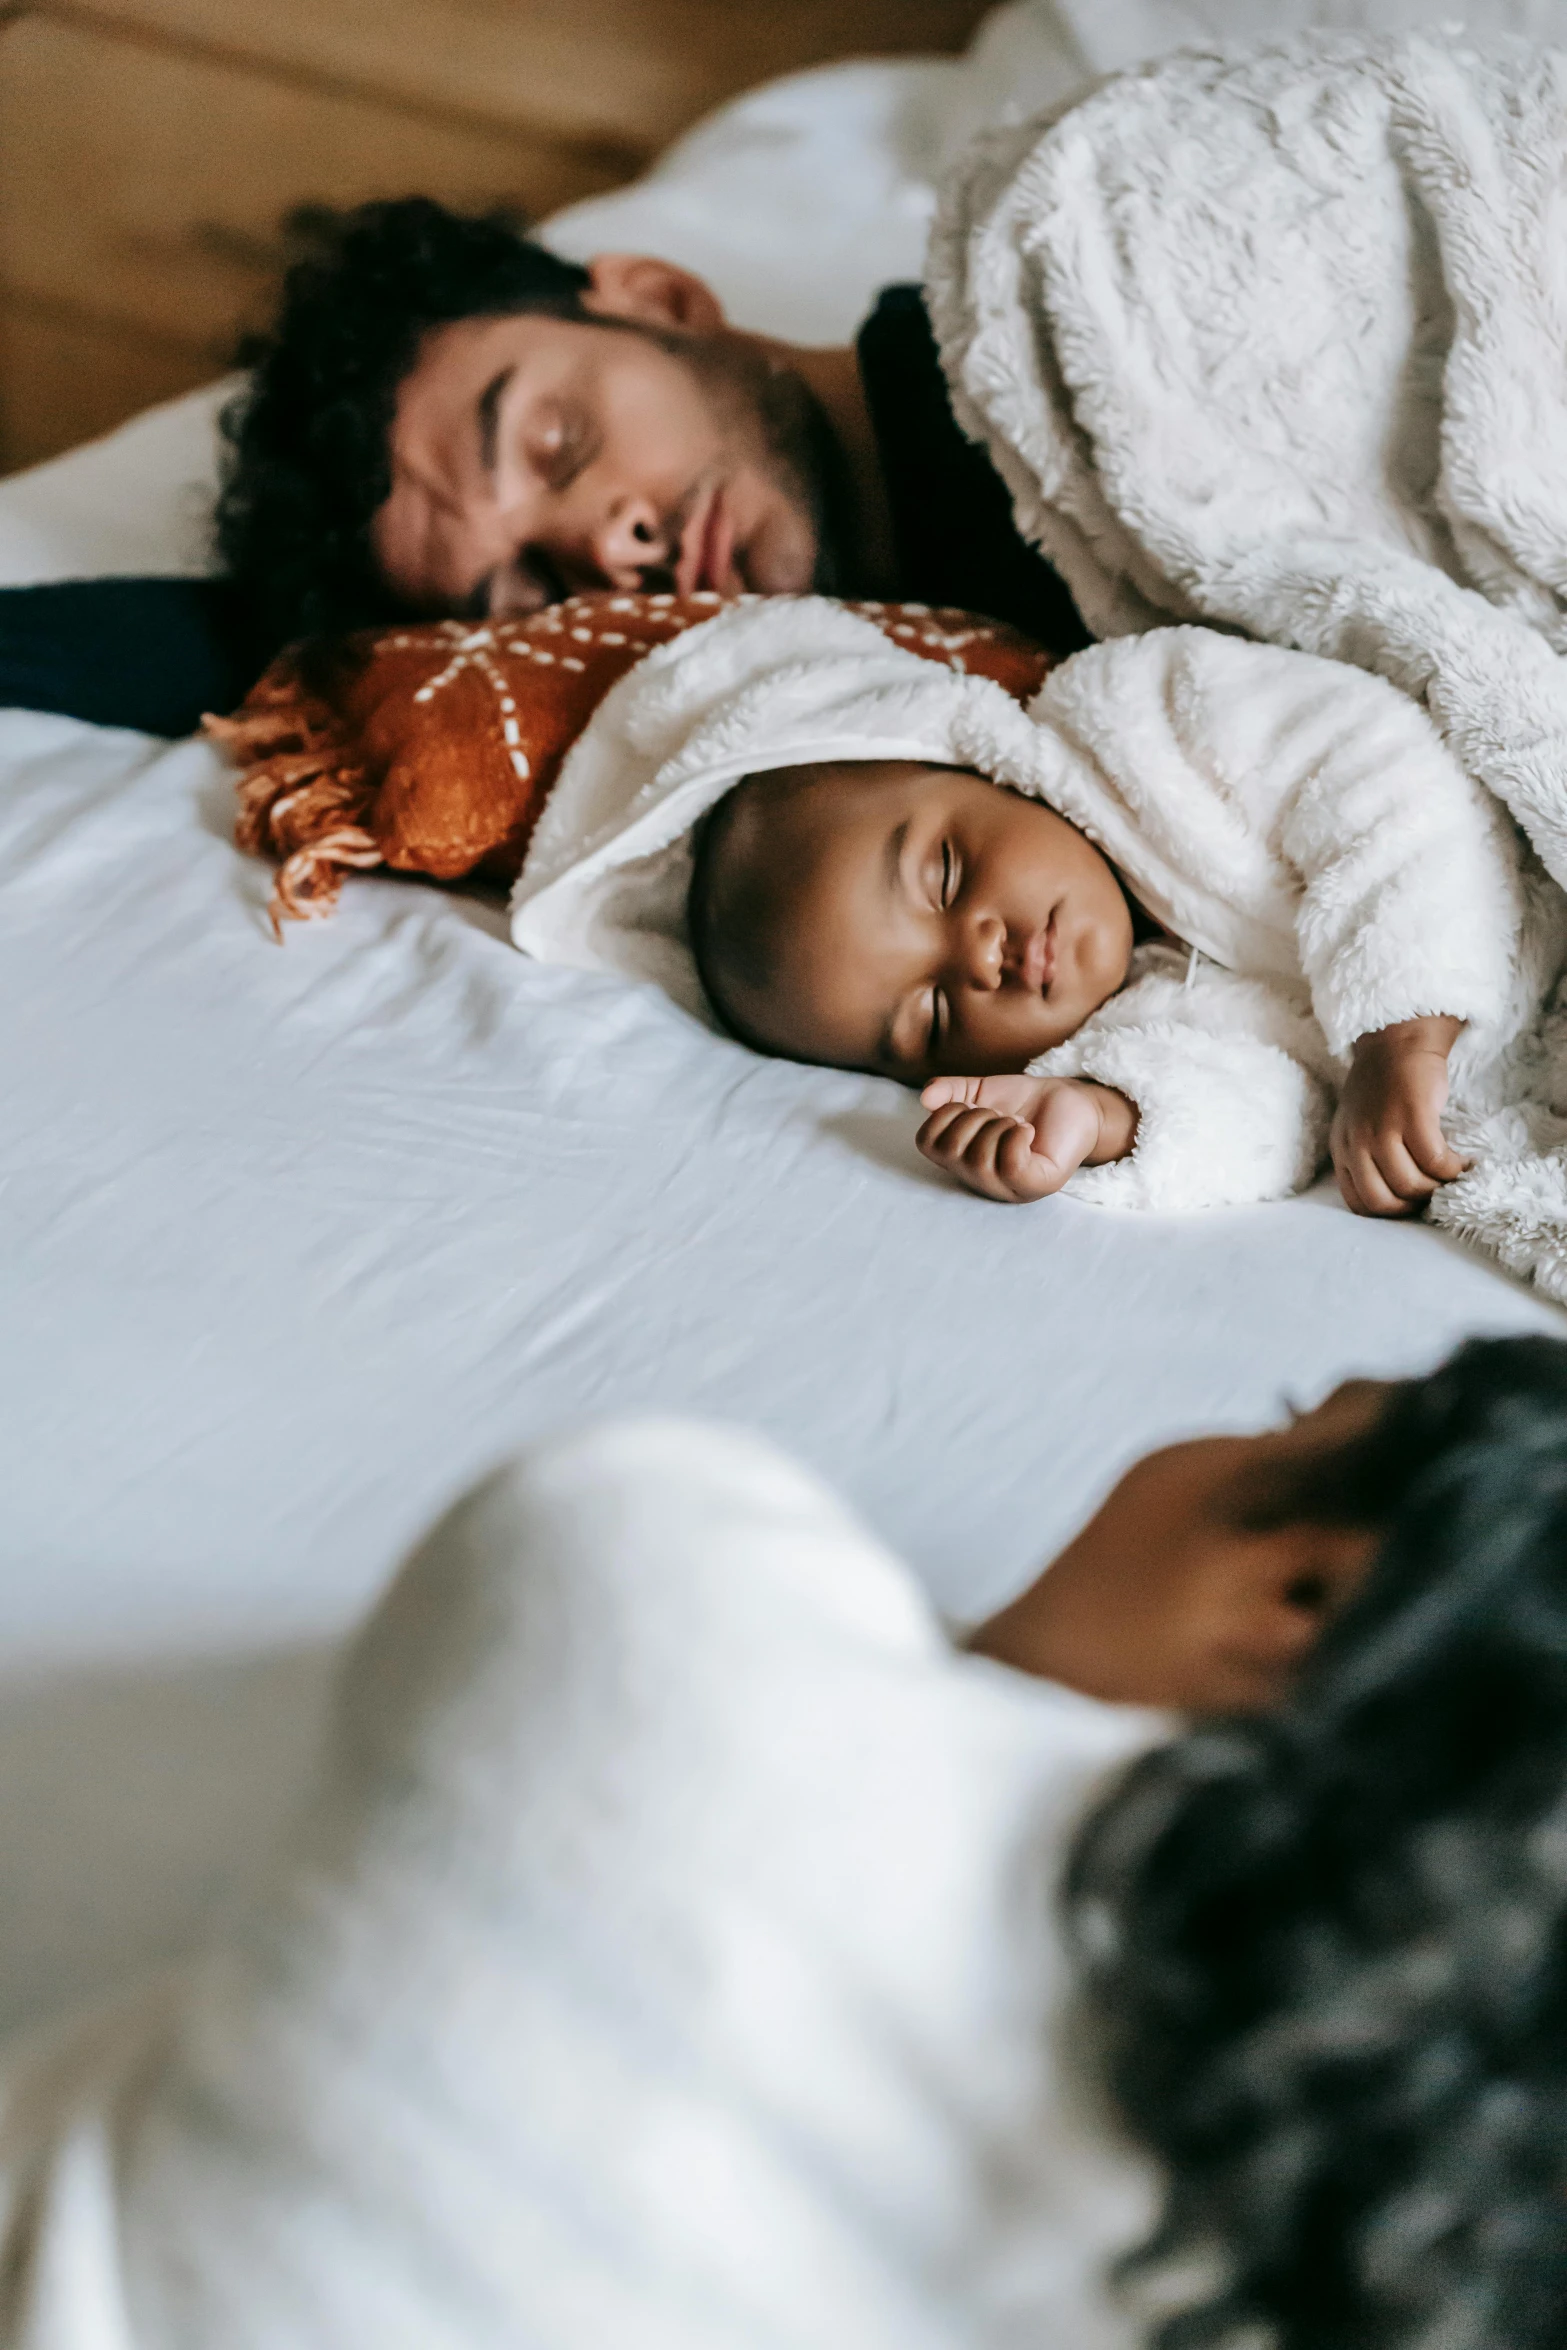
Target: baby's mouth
1038	965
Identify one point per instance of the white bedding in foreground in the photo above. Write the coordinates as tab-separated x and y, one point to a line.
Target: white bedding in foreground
295	1242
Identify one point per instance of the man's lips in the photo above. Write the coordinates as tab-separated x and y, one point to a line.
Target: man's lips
1037	965
707	547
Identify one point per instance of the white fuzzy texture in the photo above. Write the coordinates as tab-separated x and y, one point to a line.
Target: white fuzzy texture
1300	824
1275	339
1232	1085
666	1962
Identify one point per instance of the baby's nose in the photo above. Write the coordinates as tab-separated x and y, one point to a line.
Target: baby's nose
987	950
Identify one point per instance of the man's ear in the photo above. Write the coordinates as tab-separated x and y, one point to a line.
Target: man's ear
654	293
1279	1590
1308	1574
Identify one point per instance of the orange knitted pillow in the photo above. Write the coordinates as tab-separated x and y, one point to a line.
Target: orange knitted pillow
431	748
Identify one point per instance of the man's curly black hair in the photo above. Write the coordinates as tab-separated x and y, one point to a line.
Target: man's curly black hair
308	459
1329	1947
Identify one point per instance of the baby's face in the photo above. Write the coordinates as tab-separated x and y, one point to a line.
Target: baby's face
935	924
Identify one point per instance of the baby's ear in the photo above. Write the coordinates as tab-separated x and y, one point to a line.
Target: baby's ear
652	292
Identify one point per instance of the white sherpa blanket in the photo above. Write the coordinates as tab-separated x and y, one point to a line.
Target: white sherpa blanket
1275	339
1298	823
665	1962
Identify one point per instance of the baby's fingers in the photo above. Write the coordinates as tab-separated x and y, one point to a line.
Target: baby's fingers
943	1091
1013	1097
967	1142
950	1134
1404	1179
1021	1165
1360	1180
1431	1151
1364	1181
1002	1159
983	1139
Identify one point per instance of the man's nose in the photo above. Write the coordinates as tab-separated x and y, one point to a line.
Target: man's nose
631	537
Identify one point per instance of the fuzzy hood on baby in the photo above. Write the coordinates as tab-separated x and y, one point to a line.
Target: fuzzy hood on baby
769	683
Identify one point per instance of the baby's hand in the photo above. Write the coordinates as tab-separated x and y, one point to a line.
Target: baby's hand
1389	1151
1020	1138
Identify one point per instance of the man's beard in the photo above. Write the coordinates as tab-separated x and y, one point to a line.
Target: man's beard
772	417
806	457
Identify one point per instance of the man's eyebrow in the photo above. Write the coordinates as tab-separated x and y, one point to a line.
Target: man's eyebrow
489	411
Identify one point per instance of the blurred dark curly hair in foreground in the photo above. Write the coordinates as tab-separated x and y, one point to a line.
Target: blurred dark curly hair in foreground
1328	1948
308	464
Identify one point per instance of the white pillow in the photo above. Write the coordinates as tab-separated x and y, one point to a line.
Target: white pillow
137	501
666	1960
797	202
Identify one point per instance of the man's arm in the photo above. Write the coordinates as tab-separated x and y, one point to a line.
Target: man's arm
153	654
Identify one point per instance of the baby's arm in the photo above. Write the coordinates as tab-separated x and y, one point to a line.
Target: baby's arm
1389	1151
1170	1097
1411	925
1414	916
1413	928
1021	1138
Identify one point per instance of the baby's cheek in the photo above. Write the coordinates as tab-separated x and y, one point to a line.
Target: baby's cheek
1102	971
1001	1040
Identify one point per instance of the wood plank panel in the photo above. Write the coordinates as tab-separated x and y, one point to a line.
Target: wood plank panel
635	71
146	185
65	380
148	148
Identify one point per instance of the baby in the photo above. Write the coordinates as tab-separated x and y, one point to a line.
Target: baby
1355	905
1160	931
917	922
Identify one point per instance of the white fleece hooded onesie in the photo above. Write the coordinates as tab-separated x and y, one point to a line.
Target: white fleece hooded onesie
1299	823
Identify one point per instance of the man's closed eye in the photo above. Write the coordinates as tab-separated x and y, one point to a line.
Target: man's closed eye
563	449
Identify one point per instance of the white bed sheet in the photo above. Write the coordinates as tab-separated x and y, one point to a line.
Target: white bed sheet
294	1242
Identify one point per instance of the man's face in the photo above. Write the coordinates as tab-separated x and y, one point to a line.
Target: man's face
534	457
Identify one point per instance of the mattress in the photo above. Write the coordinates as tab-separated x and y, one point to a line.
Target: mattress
294	1242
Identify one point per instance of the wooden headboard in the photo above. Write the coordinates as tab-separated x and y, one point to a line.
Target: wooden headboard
149	148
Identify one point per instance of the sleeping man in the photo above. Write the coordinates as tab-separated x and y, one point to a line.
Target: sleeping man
1269	338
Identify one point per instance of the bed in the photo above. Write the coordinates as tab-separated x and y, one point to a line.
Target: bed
295	1242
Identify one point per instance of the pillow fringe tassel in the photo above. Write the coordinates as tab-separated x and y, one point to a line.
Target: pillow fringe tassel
302	801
